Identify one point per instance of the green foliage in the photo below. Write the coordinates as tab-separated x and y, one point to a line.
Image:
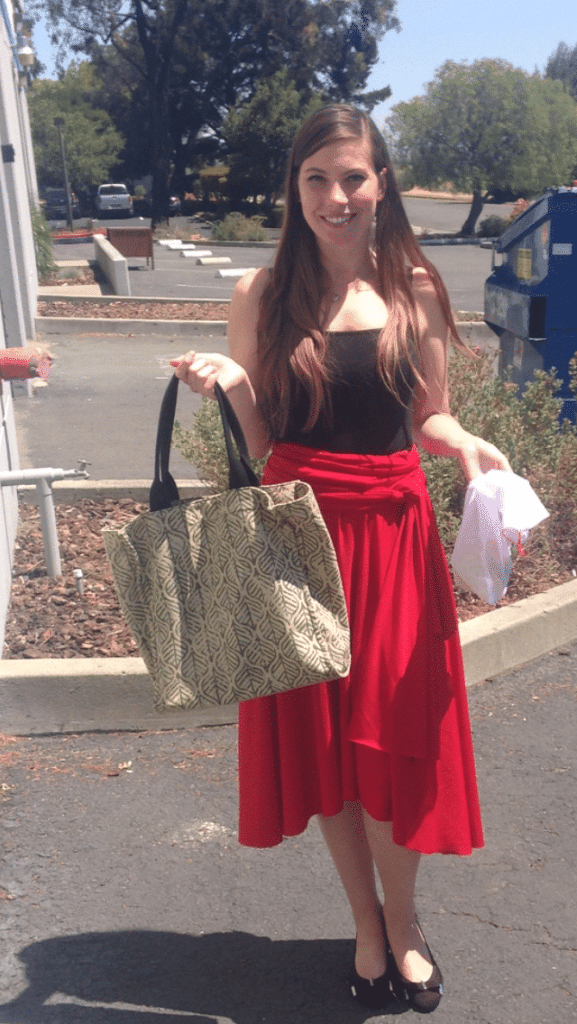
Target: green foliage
45	264
492	227
562	65
526	429
92	144
259	135
573	374
486	126
404	178
237	228
203	445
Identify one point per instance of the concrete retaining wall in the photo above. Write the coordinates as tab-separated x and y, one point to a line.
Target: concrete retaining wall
114	266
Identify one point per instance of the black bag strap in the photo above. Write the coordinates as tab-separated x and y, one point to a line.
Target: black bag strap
240	471
164	492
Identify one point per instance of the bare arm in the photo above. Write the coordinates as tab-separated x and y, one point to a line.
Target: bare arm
235	373
435	429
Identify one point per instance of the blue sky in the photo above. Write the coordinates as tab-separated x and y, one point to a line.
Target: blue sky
433	31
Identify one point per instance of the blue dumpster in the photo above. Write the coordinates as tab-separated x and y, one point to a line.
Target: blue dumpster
531	298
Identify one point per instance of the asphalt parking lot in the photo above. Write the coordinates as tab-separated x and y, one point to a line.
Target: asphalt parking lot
464	268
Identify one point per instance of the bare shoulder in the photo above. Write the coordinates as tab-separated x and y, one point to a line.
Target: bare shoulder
422	282
250	287
430	314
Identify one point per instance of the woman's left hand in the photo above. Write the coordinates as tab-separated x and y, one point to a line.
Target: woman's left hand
441	434
479	456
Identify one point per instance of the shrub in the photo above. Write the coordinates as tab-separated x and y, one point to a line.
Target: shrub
526	428
237	228
491	227
45	264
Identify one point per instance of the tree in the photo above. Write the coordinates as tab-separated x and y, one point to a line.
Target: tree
194	59
562	65
92	143
259	135
326	47
487	126
79	25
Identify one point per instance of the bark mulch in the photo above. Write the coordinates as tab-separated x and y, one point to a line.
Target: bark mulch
134	310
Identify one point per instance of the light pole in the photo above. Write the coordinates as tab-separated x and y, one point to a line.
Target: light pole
59	124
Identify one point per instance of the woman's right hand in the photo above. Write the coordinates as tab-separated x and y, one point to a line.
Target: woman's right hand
202	370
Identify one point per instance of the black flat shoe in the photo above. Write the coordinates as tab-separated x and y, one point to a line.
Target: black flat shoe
421	996
374	993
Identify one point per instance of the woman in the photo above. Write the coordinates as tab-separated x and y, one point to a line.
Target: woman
338	356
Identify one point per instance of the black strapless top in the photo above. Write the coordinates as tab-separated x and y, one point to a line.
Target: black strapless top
367	418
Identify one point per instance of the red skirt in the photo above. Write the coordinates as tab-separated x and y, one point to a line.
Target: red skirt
395	733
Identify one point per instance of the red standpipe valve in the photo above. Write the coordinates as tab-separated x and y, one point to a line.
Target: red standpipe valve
25	363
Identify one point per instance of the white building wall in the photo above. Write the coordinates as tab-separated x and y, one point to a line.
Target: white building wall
18	278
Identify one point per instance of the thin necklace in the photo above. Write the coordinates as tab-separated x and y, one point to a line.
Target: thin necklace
357	287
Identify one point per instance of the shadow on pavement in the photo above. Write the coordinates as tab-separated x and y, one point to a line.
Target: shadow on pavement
146	977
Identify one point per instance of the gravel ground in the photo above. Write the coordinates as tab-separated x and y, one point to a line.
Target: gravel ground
134	310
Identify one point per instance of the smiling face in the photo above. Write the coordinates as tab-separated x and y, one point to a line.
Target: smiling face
339	188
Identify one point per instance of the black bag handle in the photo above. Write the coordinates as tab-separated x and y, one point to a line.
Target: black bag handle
164	492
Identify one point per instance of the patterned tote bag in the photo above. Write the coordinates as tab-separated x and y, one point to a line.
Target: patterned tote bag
232	596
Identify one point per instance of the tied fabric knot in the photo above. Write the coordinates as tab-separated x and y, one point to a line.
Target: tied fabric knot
352	481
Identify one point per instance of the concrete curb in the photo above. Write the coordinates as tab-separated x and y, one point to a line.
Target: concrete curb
473	333
507	637
53	696
52	325
105	300
74	292
47	696
69	490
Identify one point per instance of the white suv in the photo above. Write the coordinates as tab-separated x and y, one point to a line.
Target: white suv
113	198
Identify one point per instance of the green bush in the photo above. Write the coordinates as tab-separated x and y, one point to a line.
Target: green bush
45	264
491	227
526	428
237	228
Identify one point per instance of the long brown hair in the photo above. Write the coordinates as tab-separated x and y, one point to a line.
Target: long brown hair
292	343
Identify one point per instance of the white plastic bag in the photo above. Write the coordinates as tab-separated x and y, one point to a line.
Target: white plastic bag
500	509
